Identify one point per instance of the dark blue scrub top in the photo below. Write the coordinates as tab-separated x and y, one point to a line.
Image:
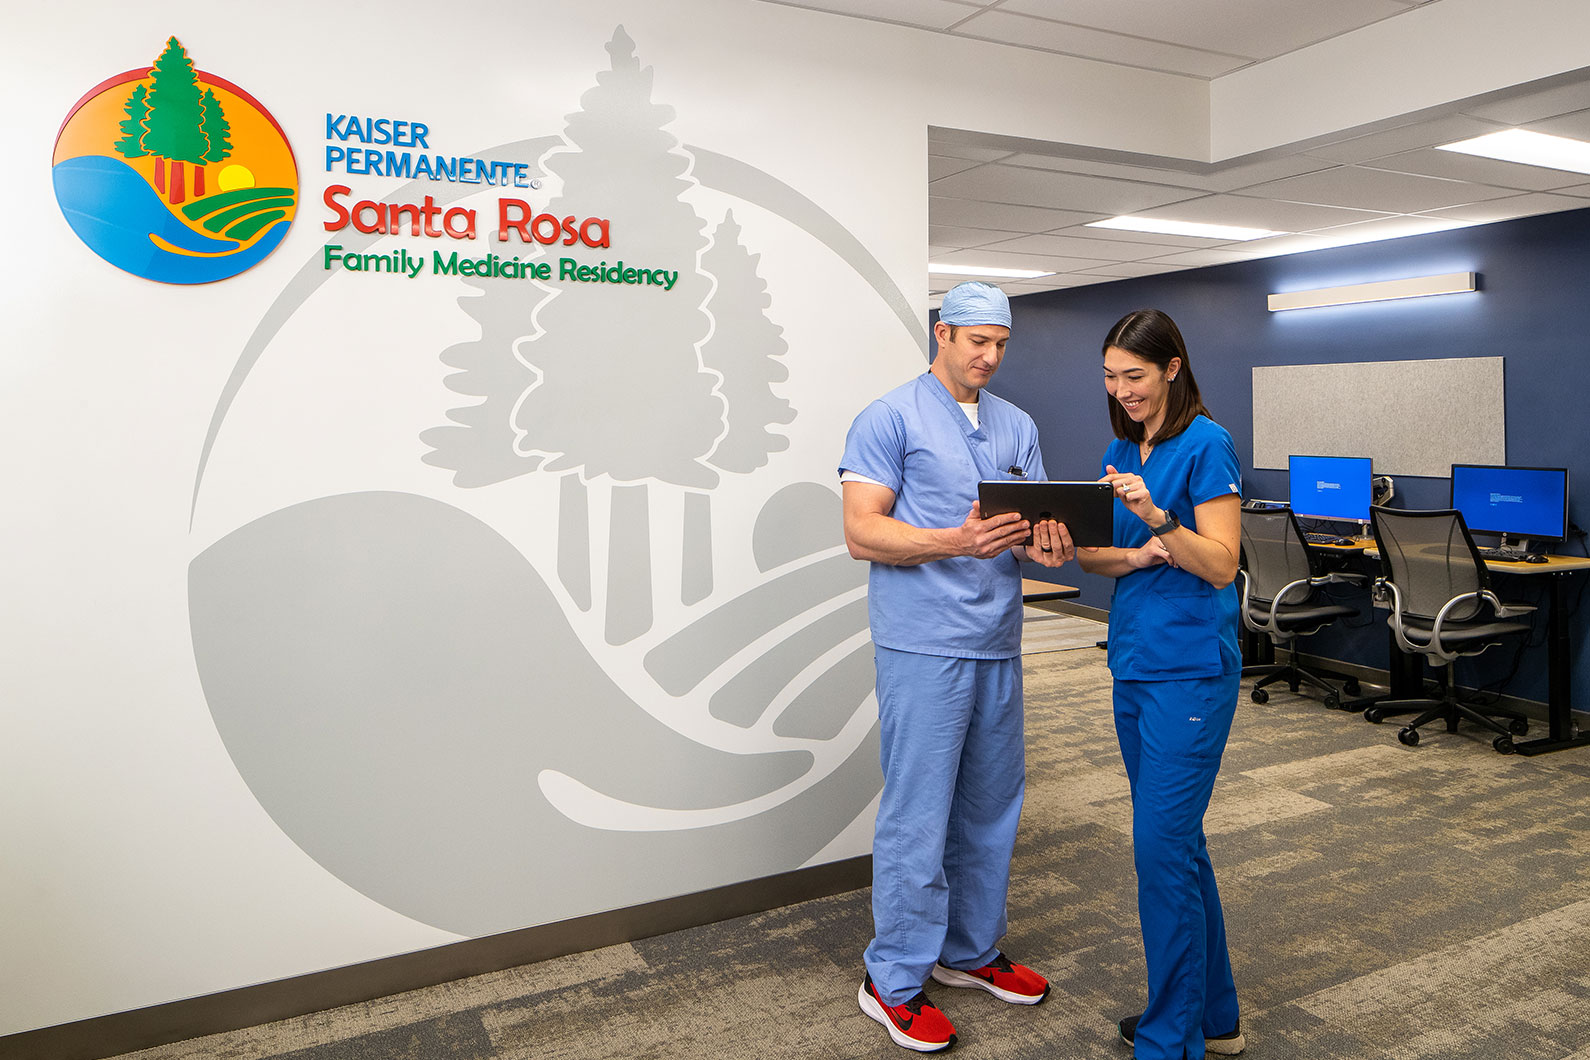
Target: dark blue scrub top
1165	623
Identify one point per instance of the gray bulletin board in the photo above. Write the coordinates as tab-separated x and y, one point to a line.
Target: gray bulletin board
1410	417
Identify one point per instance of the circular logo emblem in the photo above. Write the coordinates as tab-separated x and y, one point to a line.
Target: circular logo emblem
174	174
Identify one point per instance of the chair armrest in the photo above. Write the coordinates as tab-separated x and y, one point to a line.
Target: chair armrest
1501	610
1339	578
1269	623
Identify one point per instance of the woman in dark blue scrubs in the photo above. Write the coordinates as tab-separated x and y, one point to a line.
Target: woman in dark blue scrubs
1173	653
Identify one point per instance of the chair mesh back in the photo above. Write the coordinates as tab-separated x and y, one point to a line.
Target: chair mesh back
1430	558
1274	554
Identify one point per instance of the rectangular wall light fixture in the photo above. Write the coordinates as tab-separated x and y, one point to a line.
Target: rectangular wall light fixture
1381	291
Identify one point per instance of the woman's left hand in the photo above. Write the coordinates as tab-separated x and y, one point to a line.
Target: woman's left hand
1133	492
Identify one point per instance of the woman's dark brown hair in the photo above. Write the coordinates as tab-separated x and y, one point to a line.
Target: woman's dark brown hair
1153	336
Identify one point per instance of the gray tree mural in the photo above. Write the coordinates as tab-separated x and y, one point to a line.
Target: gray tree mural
745	349
443	754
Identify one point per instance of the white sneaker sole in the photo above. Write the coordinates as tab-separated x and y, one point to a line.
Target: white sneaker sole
960	980
872	1008
1226	1046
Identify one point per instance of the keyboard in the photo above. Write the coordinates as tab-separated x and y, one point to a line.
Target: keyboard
1328	539
1514	555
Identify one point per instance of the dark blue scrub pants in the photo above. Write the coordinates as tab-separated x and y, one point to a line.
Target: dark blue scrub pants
1172	734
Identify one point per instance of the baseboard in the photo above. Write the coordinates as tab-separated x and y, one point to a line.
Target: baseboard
123	1032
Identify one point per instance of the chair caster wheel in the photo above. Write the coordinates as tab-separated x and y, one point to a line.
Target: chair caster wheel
1410	737
1518	726
1333	701
1374	715
1259	695
1503	745
1352	687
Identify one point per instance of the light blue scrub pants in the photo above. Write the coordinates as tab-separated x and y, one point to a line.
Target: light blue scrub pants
1172	734
954	769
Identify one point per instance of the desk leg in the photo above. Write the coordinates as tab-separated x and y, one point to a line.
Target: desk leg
1559	681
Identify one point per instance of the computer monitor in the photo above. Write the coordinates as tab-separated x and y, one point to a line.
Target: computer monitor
1514	502
1329	487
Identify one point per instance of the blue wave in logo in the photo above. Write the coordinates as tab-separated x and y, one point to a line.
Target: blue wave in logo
115	211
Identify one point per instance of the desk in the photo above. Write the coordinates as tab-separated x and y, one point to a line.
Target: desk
1034	590
1559	654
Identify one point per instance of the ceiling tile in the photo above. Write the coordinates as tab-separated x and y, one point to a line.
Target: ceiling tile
1575	125
996	182
1407	138
950	236
1103	249
930	14
976	213
1199	258
1068	39
1253	28
951	149
1385	228
1122	171
1004	259
1139	268
1156	239
1534	106
1456	166
1509	208
1260	213
1051	283
1246	174
1355	187
938	166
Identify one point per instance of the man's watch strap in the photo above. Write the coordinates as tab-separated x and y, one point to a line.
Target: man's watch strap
1170	523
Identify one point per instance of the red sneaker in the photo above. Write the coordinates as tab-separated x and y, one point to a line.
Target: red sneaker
1010	982
917	1024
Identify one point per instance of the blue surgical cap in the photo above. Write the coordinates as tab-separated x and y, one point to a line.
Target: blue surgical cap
975	302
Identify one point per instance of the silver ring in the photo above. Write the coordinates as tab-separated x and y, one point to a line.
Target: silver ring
1046	548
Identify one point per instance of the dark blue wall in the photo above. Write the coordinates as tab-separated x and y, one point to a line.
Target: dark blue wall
1533	308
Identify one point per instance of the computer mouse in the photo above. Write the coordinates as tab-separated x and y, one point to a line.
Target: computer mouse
1534	557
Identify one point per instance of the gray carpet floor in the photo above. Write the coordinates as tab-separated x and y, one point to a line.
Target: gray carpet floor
1382	901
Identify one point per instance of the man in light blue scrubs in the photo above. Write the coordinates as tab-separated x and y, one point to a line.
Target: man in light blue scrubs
944	599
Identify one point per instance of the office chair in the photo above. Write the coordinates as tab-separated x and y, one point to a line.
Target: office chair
1442	607
1281	577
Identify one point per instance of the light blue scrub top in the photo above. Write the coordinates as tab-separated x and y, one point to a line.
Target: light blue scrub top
917	441
1165	623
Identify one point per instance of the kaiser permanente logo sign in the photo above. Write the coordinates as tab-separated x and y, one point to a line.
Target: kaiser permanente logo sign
388	147
174	174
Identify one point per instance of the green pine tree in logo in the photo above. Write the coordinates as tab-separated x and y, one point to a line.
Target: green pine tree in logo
173	120
132	127
216	130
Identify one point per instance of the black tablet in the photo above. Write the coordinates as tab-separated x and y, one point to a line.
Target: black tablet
1086	508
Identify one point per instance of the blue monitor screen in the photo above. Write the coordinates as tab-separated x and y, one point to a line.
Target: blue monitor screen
1329	487
1516	501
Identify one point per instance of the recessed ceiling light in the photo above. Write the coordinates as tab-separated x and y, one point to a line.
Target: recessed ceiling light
984	270
1527	148
1182	228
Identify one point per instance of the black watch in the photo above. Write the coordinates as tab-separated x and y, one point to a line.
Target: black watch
1171	523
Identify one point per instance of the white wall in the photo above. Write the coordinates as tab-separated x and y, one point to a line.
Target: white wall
315	725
